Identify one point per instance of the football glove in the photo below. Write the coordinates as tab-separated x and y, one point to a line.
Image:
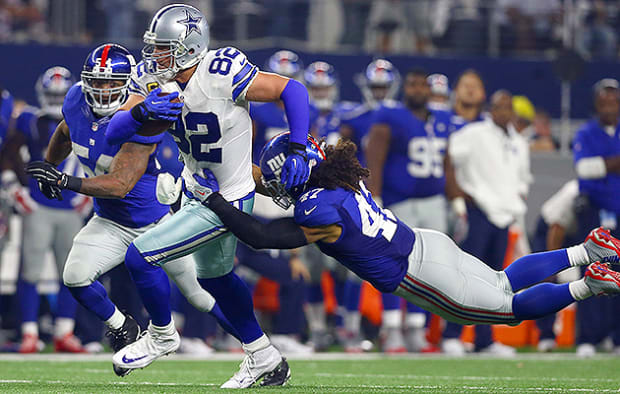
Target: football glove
155	107
53	179
203	188
295	170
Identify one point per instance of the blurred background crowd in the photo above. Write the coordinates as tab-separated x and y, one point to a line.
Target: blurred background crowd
444	59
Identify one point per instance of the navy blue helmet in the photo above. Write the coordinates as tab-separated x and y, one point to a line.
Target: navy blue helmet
272	159
105	78
285	63
51	87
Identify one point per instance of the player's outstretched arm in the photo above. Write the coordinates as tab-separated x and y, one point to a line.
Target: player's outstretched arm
376	152
127	167
272	87
60	144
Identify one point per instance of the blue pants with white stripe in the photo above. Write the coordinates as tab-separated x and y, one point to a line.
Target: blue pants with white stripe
198	230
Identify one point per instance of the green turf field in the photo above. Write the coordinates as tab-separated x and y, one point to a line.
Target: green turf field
349	374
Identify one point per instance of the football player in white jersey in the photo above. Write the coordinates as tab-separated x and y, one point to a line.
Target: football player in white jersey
213	132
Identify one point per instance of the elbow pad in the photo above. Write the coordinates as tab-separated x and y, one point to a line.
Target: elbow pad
591	168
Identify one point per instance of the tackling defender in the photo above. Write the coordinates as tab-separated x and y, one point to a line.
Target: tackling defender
425	267
123	179
215	132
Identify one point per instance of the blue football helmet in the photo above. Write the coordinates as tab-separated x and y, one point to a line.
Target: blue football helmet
285	63
322	82
104	68
439	84
177	39
51	87
272	158
380	82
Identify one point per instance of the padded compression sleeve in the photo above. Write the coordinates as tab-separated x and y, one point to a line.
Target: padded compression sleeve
277	234
295	99
121	128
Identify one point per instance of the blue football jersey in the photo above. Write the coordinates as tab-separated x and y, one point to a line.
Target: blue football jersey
374	244
6	109
326	124
359	117
168	156
270	120
140	206
38	131
591	140
414	164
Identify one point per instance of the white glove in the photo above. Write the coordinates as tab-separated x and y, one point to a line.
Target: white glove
168	188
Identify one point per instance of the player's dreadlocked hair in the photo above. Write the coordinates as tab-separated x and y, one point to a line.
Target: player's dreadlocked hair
340	168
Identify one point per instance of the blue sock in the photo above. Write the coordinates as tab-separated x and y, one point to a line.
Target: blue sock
219	316
236	304
534	268
67	305
153	286
352	295
315	293
28	301
413	308
390	301
541	300
94	298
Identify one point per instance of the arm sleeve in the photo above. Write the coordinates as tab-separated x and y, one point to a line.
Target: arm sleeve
121	128
295	99
277	234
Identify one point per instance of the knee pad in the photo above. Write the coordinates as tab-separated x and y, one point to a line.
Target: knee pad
77	275
201	300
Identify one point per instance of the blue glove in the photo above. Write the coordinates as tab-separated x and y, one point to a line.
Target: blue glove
203	188
155	107
295	170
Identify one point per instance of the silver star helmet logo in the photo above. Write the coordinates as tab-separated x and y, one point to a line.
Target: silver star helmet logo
191	23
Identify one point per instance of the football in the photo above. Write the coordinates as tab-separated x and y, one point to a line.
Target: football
154	127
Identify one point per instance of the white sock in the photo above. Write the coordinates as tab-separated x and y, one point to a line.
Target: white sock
352	322
168	329
63	326
579	290
577	255
415	320
392	318
30	328
115	321
258	344
315	314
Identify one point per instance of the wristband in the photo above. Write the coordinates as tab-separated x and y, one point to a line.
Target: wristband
139	112
297	148
72	183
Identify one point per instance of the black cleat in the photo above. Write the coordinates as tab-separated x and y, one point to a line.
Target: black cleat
127	334
279	376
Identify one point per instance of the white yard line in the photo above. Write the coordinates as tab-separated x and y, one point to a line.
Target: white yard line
457	377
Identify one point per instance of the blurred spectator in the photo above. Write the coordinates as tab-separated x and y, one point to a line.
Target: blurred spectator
526	25
355	20
119	16
463	24
325	24
19	16
596	38
524	115
542	140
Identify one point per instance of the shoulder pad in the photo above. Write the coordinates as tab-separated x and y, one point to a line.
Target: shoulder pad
315	208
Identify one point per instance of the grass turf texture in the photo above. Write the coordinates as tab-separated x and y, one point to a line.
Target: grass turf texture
529	373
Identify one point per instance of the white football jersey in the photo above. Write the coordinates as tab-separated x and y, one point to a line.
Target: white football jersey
215	130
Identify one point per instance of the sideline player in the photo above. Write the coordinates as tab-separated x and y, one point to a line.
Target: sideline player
123	179
334	210
47	224
215	132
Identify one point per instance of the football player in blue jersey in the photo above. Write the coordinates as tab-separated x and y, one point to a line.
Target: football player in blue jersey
269	119
322	82
405	151
47	224
335	211
7	176
124	180
378	84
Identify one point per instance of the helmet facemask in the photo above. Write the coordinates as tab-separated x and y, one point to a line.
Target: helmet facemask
107	100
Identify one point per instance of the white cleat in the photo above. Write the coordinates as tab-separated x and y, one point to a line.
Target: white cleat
499	349
154	343
453	347
267	362
602	280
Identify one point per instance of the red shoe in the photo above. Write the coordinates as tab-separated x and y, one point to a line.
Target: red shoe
29	344
68	344
602	280
602	247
